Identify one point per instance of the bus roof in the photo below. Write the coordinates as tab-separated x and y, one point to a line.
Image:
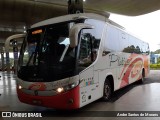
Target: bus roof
69	17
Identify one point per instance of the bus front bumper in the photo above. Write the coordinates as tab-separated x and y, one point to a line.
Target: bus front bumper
66	100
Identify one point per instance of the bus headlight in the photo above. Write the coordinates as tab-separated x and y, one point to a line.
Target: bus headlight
59	90
67	87
19	87
70	86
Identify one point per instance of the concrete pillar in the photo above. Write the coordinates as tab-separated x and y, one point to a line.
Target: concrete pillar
75	6
2	58
7	61
15	54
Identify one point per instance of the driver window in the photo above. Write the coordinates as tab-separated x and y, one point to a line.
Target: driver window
88	50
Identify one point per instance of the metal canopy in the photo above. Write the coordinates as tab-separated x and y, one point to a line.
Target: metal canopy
17	15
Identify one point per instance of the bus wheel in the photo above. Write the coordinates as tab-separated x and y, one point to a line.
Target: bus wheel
143	77
107	92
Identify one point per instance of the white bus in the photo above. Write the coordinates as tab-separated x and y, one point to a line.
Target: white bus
70	61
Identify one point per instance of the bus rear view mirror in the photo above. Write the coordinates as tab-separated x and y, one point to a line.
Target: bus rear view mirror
74	31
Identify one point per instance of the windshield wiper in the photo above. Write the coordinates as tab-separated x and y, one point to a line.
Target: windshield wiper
30	58
64	53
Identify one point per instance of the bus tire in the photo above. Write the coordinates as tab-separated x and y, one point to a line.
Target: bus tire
143	77
107	91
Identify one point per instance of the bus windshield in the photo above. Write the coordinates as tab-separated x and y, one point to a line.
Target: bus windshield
46	54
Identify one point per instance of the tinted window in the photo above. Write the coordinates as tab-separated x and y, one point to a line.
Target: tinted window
89	43
111	39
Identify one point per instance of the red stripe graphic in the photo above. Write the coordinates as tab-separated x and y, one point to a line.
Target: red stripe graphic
125	79
128	61
37	86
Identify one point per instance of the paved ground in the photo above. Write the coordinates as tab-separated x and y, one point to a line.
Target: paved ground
135	97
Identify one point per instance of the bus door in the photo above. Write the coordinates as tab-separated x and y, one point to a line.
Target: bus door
88	77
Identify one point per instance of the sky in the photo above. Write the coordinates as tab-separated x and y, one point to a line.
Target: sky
146	27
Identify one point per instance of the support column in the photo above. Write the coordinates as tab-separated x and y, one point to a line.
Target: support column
75	6
15	52
2	58
7	62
